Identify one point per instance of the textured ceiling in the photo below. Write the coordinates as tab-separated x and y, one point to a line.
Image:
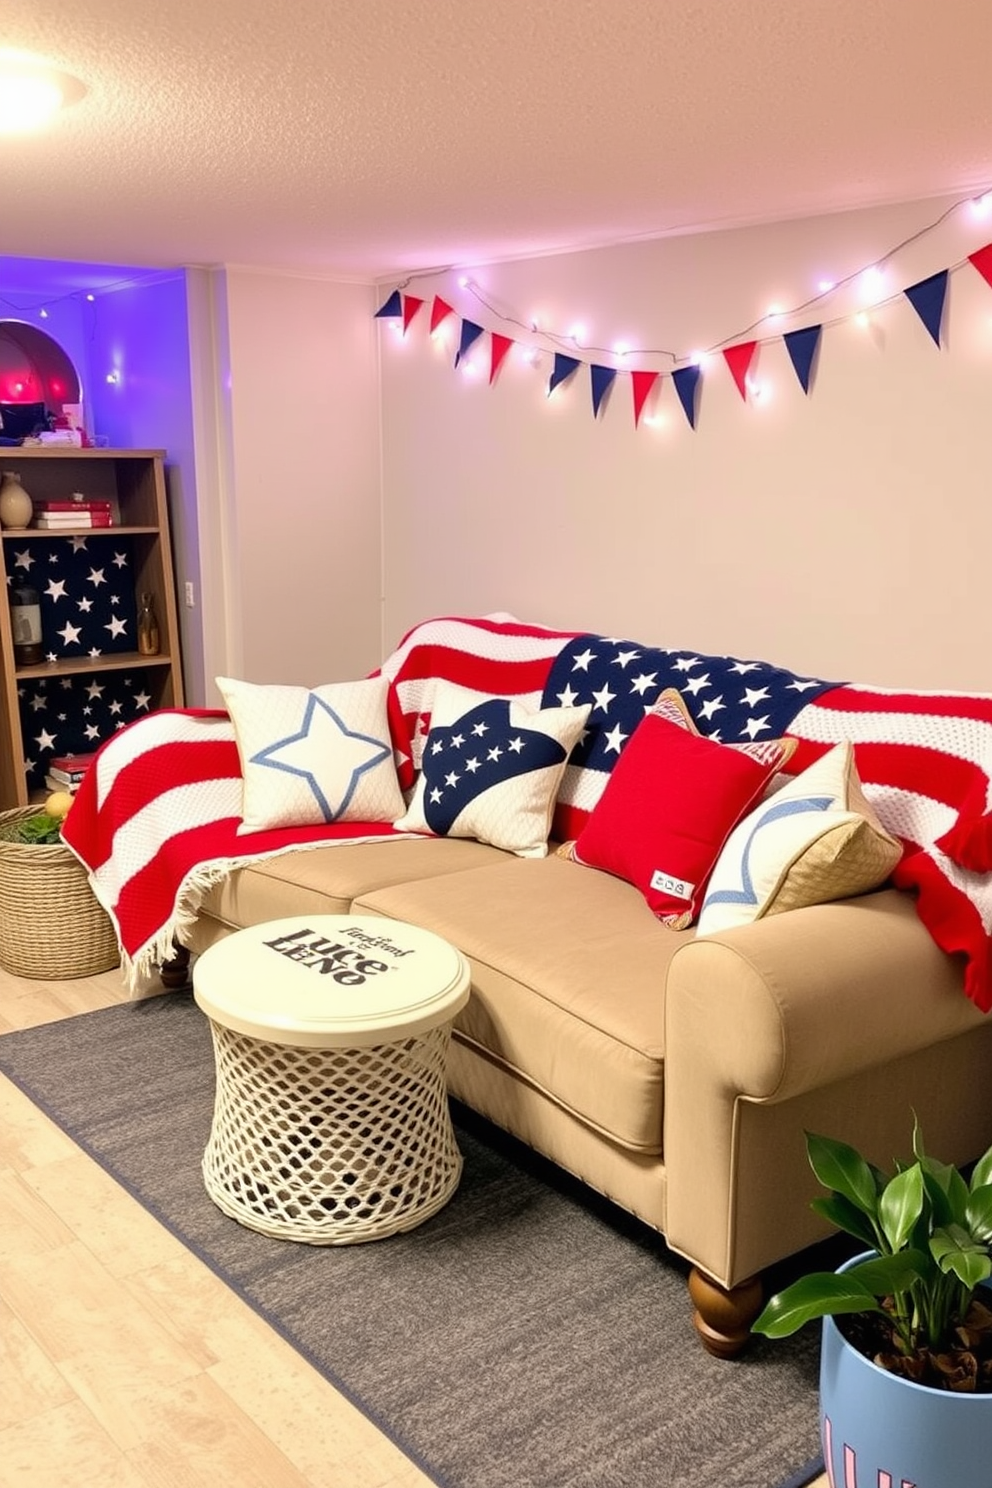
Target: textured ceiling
366	137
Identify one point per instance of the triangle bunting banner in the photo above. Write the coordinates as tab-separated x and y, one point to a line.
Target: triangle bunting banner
500	345
686	380
470	334
410	307
602	379
738	359
563	369
643	382
927	299
801	346
982	259
392	307
440	310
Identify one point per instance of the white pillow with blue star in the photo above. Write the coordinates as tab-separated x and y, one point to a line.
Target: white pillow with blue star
313	755
815	840
491	768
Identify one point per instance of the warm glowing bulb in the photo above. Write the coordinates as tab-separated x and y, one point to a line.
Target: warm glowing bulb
774	312
27	102
621	349
826	285
113	378
577	333
464	281
91	297
862	319
981	206
699	358
43	314
873	283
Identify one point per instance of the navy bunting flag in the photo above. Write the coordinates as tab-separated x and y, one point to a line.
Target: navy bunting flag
686	380
602	379
802	346
563	369
927	299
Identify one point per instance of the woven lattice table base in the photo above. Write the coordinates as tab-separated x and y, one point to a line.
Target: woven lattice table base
331	1146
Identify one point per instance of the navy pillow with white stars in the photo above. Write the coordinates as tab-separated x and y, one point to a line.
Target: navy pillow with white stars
85	586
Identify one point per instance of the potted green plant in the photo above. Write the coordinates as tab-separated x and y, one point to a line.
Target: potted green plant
906	1375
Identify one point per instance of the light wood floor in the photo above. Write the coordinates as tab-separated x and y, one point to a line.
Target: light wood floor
124	1362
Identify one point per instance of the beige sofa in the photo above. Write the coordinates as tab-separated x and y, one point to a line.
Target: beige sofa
674	1074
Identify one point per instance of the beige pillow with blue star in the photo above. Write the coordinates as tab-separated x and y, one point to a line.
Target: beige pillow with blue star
311	756
815	840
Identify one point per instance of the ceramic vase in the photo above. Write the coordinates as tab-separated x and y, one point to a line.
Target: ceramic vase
881	1431
16	506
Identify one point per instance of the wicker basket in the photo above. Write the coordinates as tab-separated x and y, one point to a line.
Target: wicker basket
51	925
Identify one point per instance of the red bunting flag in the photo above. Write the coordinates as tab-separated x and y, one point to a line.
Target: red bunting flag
643	382
497	351
738	359
410	307
982	259
440	310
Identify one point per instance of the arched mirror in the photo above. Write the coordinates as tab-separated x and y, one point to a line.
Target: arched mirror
36	378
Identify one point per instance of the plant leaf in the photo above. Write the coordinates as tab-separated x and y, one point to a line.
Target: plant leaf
901	1205
978	1212
884	1275
817	1295
946	1190
982	1171
844	1216
841	1168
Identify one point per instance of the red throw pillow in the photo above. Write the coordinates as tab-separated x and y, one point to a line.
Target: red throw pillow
669	805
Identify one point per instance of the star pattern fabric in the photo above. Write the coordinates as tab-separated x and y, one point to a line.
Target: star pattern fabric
484	749
75	715
324	734
86	588
88	607
731	701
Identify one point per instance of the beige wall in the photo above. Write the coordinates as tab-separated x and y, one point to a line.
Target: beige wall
291	520
845	534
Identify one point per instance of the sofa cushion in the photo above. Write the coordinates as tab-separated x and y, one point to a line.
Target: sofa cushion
568	983
490	769
325	880
669	805
815	840
312	756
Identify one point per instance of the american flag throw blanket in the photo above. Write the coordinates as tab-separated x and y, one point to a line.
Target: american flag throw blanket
155	821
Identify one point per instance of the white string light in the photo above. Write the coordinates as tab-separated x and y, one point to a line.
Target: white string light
875	294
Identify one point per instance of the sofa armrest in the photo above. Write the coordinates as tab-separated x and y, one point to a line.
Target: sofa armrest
777	1026
796	1001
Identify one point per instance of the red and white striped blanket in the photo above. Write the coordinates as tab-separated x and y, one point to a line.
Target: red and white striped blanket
155	821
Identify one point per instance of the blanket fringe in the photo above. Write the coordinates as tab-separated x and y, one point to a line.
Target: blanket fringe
140	971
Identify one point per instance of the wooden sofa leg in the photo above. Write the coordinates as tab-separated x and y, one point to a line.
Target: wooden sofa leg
723	1318
174	973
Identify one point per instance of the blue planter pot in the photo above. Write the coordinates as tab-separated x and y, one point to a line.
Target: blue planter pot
880	1431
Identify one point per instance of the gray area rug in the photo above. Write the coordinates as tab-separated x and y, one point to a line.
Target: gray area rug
528	1336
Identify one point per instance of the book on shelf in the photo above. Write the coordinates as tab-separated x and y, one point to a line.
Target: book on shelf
71	764
55	784
52	521
84	503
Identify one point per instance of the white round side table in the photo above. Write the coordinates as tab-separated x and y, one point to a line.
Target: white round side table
330	1033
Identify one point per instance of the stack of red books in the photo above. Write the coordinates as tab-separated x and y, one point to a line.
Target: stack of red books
65	771
52	515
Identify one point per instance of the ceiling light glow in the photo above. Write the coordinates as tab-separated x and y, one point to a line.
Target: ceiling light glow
32	93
